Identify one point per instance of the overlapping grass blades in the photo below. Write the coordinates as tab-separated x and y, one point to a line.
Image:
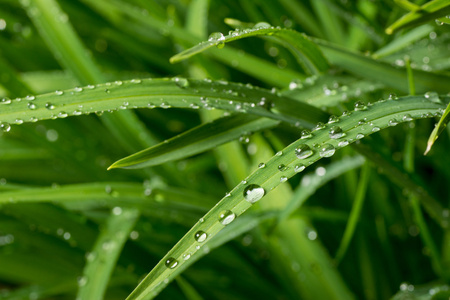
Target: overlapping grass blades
322	142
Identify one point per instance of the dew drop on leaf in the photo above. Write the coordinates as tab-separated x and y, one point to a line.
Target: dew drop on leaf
407	118
392	122
303	151
306	134
59	93
282	168
319	126
253	193
336	132
181	82
432	96
333	119
30	98
5	101
262	165
200	236
261	25
392	96
31	106
360	105
50	106
171	263
283	179
327	150
226	217
299	168
5	127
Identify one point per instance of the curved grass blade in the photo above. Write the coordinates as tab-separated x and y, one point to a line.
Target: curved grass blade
163	93
323	142
443	121
383	72
306	52
429	11
103	257
199	139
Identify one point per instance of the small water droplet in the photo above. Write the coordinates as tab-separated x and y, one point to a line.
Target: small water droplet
375	129
82	280
107	91
31	106
327	150
319	126
333	119
392	122
343	143
279	153
200	236
226	217
5	101
181	82
50	106
295	84
217	37
18	121
306	134
392	96
299	168
59	93
136	81
5	127
78	89
62	114
262	25
171	263
262	165
30	98
359	136
282	167
433	97
336	132
283	179
186	256
407	118
360	106
303	151
253	193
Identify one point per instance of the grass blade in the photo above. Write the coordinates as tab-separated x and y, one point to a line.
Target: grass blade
199	139
306	52
294	158
443	121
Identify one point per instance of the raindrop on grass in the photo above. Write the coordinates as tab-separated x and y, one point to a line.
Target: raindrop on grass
282	167
5	101
30	98
31	106
407	118
319	126
262	25
393	96
181	82
262	165
327	150
59	93
299	168
171	263
226	217
253	193
200	236
306	134
433	97
283	179
50	106
136	81
392	122
343	143
375	129
336	132
360	106
333	119
359	136
78	89
5	127
303	151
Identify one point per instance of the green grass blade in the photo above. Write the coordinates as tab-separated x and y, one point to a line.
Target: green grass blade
306	52
429	11
355	213
443	121
385	73
199	139
103	257
163	93
294	158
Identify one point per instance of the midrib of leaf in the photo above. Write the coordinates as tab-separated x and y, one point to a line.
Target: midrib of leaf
377	115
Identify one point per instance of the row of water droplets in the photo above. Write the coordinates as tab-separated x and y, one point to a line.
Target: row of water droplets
218	38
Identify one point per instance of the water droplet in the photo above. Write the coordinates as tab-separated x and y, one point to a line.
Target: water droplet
361	122
433	97
375	129
91	87
171	263
226	217
244	138
283	179
282	168
201	220
59	93
327	150
82	280
62	114
30	98
306	134
392	96
279	153
217	37
136	81
18	121
392	122
295	84
303	151
407	118
262	165
50	106
253	193
200	236
107	91
78	89
31	106
319	126
359	136
333	119
181	82
5	127
186	256
262	25
299	168
343	143
360	105
336	132
5	101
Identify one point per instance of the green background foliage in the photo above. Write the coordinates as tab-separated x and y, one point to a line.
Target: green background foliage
224	149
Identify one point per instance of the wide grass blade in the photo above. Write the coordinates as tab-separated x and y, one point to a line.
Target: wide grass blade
201	138
322	142
306	52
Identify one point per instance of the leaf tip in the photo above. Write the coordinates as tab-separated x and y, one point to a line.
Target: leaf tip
389	30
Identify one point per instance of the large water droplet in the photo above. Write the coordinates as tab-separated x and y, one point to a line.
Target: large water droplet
181	82
336	132
200	236
171	263
432	96
282	167
303	151
253	193
299	168
319	126
217	37
31	106
360	105
306	134
5	101
226	217
5	127
50	106
327	150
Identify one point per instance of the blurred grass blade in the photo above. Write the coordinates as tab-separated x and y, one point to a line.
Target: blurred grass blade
199	139
383	72
355	213
440	126
294	159
306	52
429	11
103	257
164	93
